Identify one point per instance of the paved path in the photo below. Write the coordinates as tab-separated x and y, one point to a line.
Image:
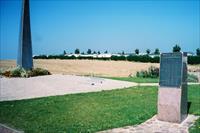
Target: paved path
155	126
150	126
51	85
42	86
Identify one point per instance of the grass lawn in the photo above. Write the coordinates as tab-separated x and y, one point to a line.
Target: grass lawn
87	112
136	79
191	78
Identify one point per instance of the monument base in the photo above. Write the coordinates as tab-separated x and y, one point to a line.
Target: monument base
170	105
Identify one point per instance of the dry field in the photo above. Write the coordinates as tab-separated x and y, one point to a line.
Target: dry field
90	67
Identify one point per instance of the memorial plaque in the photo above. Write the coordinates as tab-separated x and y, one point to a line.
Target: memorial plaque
172	94
170	69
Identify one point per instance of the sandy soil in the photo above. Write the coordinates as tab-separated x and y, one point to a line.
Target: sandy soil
90	67
57	84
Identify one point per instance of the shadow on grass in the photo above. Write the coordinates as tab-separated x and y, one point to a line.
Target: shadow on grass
188	106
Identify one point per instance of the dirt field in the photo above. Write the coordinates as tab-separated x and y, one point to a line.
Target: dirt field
90	67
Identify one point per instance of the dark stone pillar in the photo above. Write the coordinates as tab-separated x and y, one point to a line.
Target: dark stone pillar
25	59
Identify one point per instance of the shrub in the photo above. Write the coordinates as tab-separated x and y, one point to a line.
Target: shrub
38	72
1	71
142	74
6	73
20	72
152	72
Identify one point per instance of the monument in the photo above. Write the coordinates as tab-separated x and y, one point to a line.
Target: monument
25	59
172	93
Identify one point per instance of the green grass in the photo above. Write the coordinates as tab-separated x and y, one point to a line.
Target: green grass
136	79
87	112
191	78
194	98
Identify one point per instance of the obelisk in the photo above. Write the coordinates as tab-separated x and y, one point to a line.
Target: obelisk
25	59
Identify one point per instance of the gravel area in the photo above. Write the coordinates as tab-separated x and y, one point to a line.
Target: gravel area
153	125
51	85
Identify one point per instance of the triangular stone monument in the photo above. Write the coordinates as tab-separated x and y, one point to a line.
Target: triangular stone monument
25	59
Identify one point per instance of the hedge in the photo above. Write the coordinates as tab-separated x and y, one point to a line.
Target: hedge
193	59
141	58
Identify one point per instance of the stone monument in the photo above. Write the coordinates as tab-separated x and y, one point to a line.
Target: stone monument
172	93
25	59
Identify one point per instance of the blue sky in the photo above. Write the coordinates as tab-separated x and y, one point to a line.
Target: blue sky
100	25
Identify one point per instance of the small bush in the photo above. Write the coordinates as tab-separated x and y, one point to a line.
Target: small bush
1	71
38	72
6	73
152	72
20	72
142	74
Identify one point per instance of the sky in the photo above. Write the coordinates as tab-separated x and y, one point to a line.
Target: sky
113	25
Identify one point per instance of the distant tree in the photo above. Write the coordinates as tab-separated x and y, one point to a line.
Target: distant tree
106	52
82	53
176	48
137	51
94	52
64	52
99	52
77	51
198	51
123	53
157	51
89	51
148	51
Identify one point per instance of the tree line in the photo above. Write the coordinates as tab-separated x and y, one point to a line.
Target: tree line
176	48
131	57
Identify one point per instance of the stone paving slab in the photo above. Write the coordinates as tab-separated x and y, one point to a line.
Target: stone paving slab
153	125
